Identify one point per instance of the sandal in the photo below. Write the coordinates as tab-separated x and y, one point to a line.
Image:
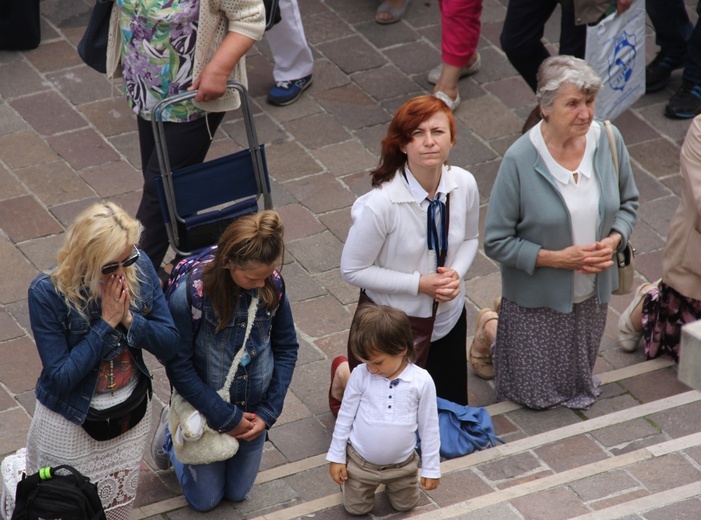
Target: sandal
335	404
480	356
396	13
453	104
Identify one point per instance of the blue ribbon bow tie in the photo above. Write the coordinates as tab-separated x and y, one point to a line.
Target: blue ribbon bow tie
437	232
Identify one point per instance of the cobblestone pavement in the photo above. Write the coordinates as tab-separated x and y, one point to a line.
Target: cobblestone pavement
68	138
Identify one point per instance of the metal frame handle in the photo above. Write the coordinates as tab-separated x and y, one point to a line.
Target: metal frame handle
164	162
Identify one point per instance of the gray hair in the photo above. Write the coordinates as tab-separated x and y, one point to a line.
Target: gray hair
560	70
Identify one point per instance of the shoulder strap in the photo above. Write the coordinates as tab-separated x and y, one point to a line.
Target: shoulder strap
279	286
224	390
195	301
252	309
612	144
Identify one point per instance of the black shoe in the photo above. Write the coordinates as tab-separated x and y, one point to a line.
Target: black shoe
659	70
686	102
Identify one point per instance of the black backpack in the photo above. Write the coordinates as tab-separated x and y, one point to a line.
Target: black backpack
47	495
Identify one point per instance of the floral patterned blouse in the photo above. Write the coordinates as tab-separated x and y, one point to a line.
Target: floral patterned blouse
158	46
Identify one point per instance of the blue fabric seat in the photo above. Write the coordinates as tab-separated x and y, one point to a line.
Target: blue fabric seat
200	191
200	201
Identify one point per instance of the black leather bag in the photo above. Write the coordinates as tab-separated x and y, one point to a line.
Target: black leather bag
19	25
92	47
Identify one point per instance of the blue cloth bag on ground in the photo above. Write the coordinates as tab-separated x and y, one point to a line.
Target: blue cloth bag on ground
464	429
616	51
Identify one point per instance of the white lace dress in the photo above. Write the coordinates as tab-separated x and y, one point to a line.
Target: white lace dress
113	465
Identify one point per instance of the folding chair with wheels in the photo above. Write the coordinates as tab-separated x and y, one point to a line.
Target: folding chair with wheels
200	201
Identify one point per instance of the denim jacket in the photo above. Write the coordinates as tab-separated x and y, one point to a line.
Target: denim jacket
71	347
199	368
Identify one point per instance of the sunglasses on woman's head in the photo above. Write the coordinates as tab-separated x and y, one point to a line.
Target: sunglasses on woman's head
111	268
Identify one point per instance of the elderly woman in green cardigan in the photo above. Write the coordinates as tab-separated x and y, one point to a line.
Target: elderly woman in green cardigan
558	212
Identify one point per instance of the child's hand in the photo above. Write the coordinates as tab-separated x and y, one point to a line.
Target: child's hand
338	472
427	484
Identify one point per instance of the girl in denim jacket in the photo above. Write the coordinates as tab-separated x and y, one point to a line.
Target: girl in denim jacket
242	266
92	315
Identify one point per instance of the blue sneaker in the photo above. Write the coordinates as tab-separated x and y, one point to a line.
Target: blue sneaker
286	92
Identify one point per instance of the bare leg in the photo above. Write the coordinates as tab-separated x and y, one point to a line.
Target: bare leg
340	380
450	75
448	82
489	332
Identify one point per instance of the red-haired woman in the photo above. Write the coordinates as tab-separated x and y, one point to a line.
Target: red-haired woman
419	210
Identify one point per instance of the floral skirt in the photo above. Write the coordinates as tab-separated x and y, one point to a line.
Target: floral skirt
665	311
544	358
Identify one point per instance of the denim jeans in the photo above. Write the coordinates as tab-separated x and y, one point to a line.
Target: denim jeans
675	34
205	485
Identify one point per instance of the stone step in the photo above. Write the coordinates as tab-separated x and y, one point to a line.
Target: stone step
447	467
527	444
645	504
569	476
501	408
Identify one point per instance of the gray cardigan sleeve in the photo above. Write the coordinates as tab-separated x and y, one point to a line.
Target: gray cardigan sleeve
501	240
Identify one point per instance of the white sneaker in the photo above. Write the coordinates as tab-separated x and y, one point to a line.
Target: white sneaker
628	336
435	73
160	456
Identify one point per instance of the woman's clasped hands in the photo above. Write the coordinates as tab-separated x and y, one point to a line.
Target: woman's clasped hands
250	427
587	259
116	300
442	286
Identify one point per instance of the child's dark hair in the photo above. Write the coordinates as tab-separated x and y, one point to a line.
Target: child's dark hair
380	328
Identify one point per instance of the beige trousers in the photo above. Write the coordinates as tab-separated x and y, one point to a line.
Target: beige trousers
400	480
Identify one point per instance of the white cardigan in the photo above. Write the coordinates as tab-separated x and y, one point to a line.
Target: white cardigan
386	250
